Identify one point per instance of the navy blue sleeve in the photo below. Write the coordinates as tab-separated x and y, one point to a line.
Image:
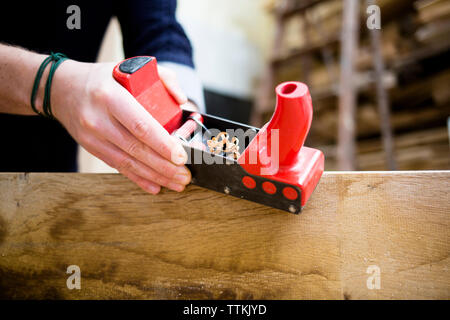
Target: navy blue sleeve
149	27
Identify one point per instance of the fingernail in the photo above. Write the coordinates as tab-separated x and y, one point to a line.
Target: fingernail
183	170
176	187
179	157
153	189
182	178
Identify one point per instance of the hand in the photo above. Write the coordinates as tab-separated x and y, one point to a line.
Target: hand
109	123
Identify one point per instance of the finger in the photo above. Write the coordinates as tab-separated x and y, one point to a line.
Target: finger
145	128
144	184
170	81
118	135
130	167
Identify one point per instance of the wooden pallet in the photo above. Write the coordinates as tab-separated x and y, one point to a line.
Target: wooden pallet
346	90
201	244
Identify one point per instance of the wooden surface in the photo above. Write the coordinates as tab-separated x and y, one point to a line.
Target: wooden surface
201	244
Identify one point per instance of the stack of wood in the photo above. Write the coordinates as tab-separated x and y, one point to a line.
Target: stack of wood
416	52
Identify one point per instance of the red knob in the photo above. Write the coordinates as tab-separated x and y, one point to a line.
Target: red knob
292	119
278	143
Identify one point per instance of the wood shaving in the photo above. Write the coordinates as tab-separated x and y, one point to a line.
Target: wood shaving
222	144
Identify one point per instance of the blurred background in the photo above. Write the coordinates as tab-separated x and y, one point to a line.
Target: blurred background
381	97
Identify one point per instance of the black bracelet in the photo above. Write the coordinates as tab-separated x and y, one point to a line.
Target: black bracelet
56	59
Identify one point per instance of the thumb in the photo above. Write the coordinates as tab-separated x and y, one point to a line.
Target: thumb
170	81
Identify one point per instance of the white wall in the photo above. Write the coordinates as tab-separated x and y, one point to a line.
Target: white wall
230	39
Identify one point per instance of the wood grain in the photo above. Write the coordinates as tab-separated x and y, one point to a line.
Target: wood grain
201	244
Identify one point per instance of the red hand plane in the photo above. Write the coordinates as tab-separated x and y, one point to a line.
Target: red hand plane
274	168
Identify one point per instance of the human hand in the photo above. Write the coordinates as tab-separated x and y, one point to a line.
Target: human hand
108	122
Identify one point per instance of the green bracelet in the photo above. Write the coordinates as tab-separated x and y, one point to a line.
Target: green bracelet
56	59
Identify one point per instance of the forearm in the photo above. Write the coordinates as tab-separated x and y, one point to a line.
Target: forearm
18	68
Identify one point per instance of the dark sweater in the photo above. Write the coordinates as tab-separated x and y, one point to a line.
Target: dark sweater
149	27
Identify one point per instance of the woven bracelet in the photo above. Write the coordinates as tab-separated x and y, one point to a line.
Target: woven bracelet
55	59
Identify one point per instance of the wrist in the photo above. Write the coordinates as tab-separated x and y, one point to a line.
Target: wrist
50	63
39	100
64	87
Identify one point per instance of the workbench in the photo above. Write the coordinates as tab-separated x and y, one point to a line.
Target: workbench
362	235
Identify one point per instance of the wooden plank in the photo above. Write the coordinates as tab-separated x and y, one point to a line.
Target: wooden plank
382	97
202	244
417	150
346	153
297	53
298	7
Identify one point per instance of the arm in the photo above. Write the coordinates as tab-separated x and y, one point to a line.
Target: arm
100	115
18	68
